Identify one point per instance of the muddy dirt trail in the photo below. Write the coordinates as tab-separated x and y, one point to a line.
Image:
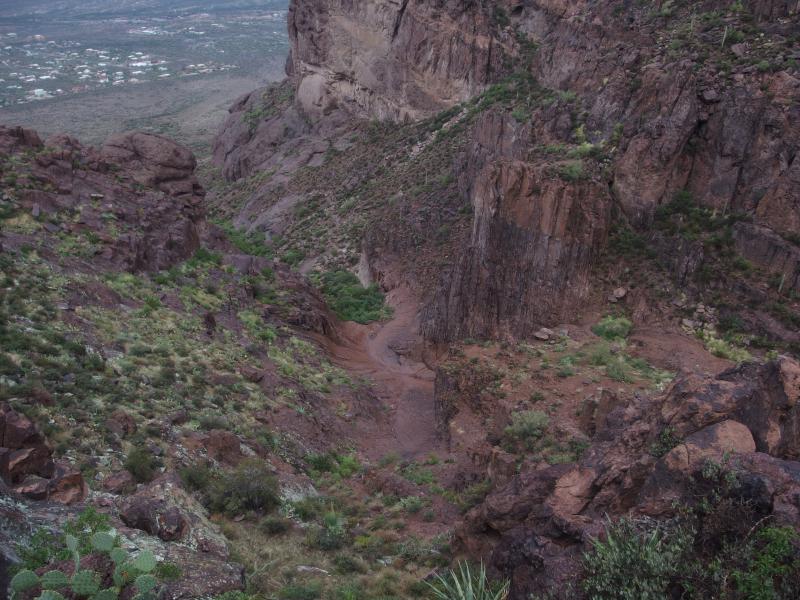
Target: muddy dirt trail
385	354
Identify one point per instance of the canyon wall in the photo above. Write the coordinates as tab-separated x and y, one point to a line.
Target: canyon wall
650	101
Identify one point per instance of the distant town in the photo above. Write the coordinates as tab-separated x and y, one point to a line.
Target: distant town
36	66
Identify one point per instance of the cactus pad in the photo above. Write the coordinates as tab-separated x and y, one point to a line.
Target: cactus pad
53	580
84	583
23	581
102	541
107	594
145	583
145	562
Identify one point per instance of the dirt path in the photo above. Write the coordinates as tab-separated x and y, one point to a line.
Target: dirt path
382	353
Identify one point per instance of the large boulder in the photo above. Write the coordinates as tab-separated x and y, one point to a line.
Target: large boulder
26	462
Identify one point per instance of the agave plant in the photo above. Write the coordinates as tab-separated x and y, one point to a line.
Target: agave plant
462	583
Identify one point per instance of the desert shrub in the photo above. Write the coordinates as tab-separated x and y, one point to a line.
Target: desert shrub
624	241
349	591
464	583
613	328
275	525
248	487
301	591
346	563
142	464
665	442
572	171
618	371
341	466
773	569
633	562
247	242
527	427
330	535
722	348
196	477
350	300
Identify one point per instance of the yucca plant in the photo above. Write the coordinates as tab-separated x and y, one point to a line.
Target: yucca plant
462	583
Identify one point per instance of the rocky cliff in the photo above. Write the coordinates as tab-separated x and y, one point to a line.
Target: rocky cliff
619	108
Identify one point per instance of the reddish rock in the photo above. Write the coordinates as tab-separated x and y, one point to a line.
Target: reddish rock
533	243
223	446
17	430
121	423
154	161
155	516
172	524
152	194
763	397
33	487
67	486
120	482
27	461
15	139
674	473
389	483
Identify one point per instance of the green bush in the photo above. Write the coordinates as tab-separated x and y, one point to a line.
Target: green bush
773	569
572	171
463	583
633	564
331	535
275	525
297	591
249	487
613	328
196	477
527	427
142	464
350	300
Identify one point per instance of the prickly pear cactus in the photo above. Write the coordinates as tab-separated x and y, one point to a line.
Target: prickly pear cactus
54	580
145	583
108	594
123	573
145	562
23	581
119	555
50	595
102	541
84	583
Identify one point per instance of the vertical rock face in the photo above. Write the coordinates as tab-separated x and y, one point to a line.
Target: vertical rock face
533	240
392	59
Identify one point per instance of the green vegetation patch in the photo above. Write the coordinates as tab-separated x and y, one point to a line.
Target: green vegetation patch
350	300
